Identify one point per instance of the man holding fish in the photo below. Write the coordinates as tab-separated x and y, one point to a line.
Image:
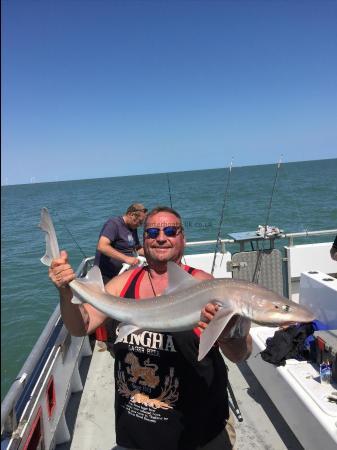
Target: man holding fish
170	378
165	398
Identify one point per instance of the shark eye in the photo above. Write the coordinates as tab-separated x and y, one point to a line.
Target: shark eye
285	308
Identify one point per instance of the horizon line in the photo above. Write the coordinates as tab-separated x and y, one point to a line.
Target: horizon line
161	173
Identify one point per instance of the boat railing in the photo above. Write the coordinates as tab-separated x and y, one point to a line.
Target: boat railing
292	236
8	405
85	266
222	243
87	263
289	236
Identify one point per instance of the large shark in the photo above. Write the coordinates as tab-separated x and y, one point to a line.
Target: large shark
180	307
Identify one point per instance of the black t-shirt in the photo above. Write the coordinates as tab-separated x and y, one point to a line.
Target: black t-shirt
164	398
122	239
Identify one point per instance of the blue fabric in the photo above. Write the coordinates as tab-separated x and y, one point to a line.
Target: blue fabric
123	239
318	325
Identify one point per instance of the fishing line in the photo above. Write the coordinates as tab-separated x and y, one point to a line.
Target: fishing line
258	264
78	245
222	216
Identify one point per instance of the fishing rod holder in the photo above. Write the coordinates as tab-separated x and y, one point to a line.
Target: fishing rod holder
250	237
240	265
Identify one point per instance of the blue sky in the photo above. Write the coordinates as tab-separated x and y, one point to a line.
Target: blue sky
106	88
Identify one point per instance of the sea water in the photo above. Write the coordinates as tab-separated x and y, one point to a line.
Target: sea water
305	198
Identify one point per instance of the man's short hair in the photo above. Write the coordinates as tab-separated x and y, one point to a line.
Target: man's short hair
159	209
136	207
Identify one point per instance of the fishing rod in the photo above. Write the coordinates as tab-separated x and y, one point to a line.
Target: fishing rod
169	189
236	408
229	387
222	216
171	204
258	264
272	195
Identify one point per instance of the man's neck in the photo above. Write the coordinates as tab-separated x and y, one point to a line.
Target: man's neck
159	268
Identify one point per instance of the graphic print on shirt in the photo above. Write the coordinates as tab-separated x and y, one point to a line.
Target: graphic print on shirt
144	389
131	240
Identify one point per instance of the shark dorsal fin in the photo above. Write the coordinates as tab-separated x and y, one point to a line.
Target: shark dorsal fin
94	278
178	278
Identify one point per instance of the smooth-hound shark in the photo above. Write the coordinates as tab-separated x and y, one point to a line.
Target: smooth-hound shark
179	308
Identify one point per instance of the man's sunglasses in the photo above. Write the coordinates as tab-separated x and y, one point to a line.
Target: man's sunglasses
169	231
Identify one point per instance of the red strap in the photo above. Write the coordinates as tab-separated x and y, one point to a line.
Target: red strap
134	273
137	287
188	269
197	331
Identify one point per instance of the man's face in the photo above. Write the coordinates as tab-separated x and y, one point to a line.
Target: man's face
163	248
136	219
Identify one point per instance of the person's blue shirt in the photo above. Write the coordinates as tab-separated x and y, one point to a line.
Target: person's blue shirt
123	239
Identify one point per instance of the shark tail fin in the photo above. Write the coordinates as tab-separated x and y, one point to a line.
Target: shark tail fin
213	330
124	329
52	247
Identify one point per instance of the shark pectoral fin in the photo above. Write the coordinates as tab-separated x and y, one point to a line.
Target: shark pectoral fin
46	260
213	330
124	329
178	278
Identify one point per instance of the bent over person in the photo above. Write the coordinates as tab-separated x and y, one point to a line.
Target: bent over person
118	242
164	398
333	250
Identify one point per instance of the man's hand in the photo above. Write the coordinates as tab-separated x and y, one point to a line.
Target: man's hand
131	260
207	314
60	271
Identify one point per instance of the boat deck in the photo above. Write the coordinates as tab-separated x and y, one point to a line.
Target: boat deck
93	429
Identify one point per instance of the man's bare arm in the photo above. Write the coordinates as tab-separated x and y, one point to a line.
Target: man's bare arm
79	319
104	246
